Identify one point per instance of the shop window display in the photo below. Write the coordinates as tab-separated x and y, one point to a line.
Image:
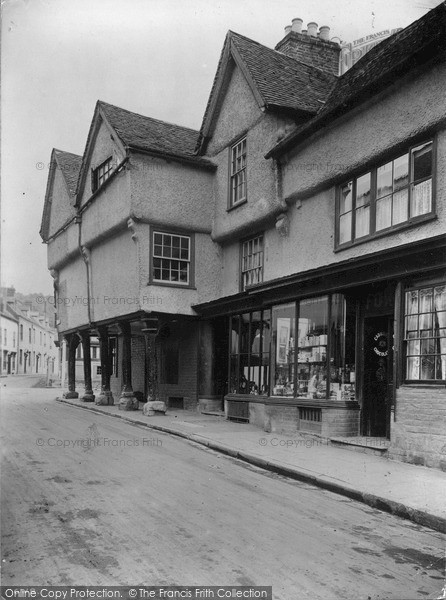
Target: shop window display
249	359
284	319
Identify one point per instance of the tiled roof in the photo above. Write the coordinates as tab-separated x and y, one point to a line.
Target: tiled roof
395	56
70	165
283	81
152	135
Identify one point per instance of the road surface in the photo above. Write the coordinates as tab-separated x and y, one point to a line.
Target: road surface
92	500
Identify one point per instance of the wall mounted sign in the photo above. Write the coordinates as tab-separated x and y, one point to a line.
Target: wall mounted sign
381	347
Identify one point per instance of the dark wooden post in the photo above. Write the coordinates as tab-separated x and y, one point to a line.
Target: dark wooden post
127	400
152	367
153	403
72	344
105	397
88	395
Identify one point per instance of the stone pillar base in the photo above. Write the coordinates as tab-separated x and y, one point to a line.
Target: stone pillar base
127	401
150	408
88	396
71	395
105	398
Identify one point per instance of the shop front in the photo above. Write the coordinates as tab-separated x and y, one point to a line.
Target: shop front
333	355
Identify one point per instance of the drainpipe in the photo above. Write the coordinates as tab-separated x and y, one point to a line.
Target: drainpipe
282	220
85	253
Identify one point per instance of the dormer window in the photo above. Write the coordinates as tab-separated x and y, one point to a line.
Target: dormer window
101	174
238	192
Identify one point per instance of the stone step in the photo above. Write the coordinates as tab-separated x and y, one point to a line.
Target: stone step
367	445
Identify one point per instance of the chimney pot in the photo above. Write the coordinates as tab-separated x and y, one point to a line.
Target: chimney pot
324	32
312	29
297	25
304	32
287	29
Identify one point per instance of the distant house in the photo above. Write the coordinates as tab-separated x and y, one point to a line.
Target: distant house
287	260
29	344
8	340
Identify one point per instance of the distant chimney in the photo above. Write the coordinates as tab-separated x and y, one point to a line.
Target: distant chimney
310	46
312	29
287	29
297	25
324	32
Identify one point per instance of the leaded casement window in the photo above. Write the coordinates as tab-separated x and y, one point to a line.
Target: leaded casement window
425	333
252	261
171	258
238	183
390	196
101	174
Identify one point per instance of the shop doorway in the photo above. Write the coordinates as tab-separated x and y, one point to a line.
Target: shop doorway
378	377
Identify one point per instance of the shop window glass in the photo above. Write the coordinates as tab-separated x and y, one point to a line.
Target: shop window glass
312	348
425	333
342	348
249	360
284	324
265	356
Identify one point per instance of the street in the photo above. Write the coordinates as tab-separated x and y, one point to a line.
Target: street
92	500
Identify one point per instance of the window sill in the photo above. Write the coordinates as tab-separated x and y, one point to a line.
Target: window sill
169	284
234	206
387	232
424	384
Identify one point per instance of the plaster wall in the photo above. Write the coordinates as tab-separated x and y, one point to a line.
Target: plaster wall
357	141
72	298
114	277
262	131
61	247
407	109
61	207
109	209
171	193
104	145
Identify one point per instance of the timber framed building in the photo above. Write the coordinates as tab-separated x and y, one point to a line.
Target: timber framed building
287	261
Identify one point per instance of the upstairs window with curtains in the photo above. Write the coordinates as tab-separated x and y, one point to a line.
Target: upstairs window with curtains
238	184
390	196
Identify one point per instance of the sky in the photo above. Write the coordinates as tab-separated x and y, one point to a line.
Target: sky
154	57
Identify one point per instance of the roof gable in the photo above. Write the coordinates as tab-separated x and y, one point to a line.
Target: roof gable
136	133
68	164
278	82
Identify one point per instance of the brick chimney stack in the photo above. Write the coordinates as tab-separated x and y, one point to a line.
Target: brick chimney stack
311	46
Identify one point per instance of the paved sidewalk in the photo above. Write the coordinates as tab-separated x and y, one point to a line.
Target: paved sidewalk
412	492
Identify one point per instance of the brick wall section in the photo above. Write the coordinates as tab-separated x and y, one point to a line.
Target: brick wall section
340	422
418	435
312	51
187	335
